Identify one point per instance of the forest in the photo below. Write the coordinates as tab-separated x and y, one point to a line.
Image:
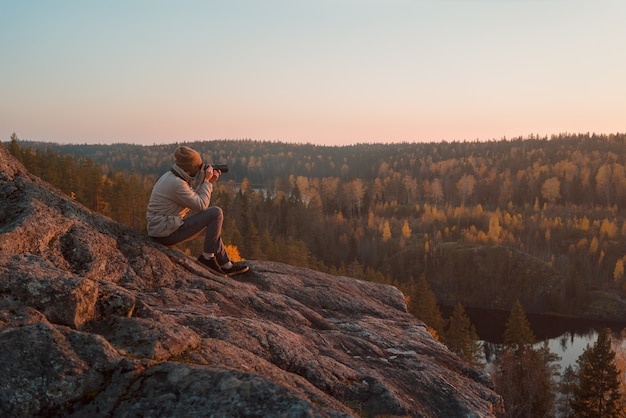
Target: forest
483	224
387	212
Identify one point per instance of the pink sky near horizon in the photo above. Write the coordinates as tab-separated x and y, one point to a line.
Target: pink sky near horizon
318	71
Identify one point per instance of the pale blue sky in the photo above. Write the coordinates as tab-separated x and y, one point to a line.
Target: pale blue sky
318	71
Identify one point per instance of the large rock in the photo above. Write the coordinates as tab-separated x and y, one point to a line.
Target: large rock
98	320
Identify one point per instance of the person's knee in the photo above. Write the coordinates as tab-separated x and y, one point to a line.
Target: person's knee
217	212
212	214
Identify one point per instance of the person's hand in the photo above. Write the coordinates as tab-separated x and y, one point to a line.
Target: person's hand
212	175
208	172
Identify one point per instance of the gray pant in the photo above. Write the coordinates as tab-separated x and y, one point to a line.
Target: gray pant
210	220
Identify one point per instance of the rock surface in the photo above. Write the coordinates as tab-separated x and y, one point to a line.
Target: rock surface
98	320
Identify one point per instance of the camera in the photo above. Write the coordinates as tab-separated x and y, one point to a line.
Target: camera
223	168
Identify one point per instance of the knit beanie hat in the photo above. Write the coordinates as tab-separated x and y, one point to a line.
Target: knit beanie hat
186	158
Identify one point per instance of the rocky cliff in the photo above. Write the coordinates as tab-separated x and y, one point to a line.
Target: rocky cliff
98	320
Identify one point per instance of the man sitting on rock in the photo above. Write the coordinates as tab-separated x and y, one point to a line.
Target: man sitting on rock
173	198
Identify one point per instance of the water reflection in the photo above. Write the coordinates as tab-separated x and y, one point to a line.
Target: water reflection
566	337
570	346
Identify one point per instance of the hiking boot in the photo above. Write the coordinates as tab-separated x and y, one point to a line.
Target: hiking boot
235	269
211	265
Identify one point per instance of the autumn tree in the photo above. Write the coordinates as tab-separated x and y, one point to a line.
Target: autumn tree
465	187
406	229
494	229
603	182
551	190
618	179
506	189
434	191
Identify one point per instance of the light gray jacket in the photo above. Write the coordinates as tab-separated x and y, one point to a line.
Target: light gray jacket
172	198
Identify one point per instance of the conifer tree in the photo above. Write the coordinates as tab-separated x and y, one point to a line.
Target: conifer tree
597	393
253	243
461	337
525	379
619	346
518	333
567	387
14	147
525	375
423	305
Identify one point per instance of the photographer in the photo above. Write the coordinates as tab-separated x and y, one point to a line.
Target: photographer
173	198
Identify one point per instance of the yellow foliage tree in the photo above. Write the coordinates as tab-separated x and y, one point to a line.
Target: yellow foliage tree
406	229
609	229
386	231
551	190
584	224
233	252
494	229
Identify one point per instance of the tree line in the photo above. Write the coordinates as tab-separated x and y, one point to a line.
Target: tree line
382	211
121	196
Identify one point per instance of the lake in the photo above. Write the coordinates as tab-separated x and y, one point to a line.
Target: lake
566	337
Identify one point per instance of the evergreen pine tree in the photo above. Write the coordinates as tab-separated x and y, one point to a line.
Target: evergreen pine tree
15	149
423	305
597	393
525	375
518	334
567	387
252	240
461	337
619	346
525	379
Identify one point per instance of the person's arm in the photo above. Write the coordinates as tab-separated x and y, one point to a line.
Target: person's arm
197	200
